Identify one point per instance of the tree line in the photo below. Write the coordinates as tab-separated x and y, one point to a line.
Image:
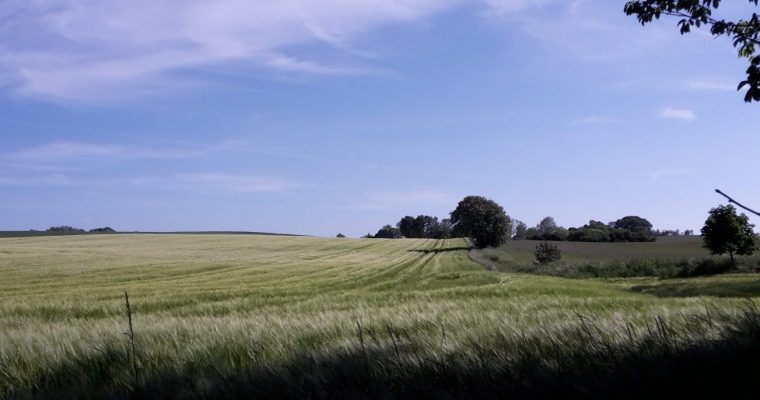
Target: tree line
71	229
485	221
481	219
631	228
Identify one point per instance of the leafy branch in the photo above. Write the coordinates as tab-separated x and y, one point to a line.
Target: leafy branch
745	34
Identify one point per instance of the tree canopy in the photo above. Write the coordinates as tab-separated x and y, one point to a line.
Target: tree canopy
744	33
481	219
387	232
726	232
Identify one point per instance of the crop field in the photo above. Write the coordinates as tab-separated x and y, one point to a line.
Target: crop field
671	247
252	316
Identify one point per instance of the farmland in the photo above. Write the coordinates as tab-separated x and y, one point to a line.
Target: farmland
320	317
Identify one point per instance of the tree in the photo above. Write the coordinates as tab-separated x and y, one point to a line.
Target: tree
408	227
520	230
547	252
481	219
387	232
546	226
640	229
745	34
726	232
340	235
105	229
65	228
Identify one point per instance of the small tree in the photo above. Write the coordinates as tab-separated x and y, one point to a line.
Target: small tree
725	232
520	230
547	252
482	219
340	235
387	232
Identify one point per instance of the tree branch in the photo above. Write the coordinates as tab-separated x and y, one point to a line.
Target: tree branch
730	200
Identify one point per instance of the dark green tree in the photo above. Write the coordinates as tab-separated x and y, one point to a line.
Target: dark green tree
744	33
408	227
481	219
387	232
105	229
726	232
635	228
547	252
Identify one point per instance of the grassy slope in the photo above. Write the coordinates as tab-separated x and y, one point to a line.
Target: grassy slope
672	247
228	302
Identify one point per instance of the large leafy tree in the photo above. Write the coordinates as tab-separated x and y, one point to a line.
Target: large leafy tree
636	229
481	219
726	232
744	33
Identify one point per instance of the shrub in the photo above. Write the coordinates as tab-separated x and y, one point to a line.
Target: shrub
547	252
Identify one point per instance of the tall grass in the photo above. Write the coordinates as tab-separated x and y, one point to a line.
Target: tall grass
711	354
248	316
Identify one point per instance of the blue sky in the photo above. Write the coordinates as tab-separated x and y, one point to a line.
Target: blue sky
340	116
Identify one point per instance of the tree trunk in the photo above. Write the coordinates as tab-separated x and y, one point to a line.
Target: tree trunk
733	264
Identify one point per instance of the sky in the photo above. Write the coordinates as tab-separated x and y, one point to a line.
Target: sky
319	117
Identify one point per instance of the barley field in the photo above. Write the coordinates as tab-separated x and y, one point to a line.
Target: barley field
249	316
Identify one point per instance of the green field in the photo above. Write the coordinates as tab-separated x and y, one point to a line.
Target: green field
215	313
669	247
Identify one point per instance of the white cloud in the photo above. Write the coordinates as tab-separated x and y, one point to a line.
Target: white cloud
669	172
388	200
597	120
94	50
505	7
710	85
681	114
234	183
63	149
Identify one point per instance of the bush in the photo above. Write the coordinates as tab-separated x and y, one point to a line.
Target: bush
547	252
64	228
106	229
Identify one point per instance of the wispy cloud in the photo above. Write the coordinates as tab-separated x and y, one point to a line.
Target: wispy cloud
390	200
670	172
92	50
680	114
234	183
597	120
710	85
64	149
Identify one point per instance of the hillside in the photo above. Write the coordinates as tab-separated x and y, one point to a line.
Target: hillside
221	306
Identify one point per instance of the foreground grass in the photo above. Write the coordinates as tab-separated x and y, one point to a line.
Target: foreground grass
226	315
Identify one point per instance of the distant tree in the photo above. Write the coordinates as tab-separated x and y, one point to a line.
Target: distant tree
340	235
443	229
368	236
105	229
547	225
520	230
64	228
634	224
532	234
688	232
407	227
481	219
387	232
744	34
725	232
547	252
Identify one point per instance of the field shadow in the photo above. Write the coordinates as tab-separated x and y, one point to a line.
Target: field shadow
428	251
577	364
700	288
